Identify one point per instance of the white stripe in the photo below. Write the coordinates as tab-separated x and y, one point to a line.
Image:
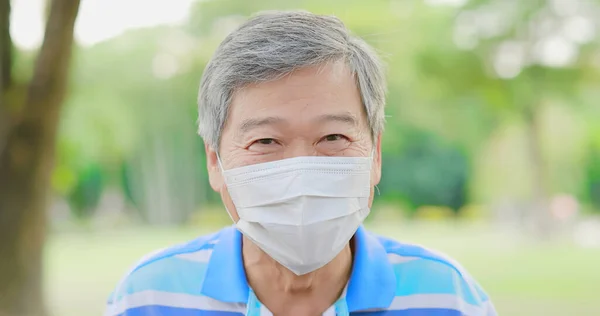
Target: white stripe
457	266
117	290
452	262
330	311
489	308
395	259
446	301
463	273
179	300
264	311
198	256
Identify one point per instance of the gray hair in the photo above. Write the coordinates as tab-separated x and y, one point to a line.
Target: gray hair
275	43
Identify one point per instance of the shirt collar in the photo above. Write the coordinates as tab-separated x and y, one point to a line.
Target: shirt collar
372	282
225	278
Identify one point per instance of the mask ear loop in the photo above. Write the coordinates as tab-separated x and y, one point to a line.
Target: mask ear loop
223	175
220	163
373	156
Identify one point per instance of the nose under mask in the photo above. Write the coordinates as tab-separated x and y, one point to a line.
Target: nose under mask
301	211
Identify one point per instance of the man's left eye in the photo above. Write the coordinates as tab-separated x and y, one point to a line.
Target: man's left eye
333	137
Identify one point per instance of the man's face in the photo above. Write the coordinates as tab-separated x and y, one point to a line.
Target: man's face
314	111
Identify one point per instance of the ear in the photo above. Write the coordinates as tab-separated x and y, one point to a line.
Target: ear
215	176
376	166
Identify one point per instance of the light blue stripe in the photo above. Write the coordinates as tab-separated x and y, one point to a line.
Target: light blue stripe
169	274
430	274
480	292
431	277
200	243
155	310
341	307
253	305
410	250
413	312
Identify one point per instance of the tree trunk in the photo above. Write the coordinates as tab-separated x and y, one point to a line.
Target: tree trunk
5	45
26	163
5	68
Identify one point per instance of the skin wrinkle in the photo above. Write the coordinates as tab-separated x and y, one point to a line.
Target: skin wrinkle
297	66
286	41
310	104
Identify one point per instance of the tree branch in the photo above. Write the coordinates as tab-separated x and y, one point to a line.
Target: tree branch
5	70
49	82
5	48
26	165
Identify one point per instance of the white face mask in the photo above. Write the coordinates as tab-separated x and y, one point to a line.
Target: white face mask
301	211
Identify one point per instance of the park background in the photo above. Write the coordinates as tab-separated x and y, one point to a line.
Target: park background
491	152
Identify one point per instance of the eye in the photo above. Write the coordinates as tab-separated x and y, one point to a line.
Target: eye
264	145
265	141
334	137
333	144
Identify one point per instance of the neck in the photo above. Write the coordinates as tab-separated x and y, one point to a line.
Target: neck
274	283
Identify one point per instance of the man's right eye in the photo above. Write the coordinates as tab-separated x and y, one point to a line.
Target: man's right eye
264	145
265	141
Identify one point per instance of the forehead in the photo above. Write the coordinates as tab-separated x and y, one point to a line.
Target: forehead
302	95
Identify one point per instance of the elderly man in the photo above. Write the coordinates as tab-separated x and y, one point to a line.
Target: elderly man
291	112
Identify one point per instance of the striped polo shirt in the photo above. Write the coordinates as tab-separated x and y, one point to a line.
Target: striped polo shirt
206	277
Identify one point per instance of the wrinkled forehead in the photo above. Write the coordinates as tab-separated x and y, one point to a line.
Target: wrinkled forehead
316	94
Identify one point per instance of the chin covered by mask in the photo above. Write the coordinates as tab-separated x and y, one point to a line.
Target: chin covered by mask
301	211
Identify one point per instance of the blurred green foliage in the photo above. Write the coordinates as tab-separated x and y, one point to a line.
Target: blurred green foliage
86	193
425	171
459	115
593	178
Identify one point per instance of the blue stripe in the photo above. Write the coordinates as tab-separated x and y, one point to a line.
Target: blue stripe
225	275
170	274
424	276
253	305
410	250
155	310
412	312
341	307
430	274
200	243
371	270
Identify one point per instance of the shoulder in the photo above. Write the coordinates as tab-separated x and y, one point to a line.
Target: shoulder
173	274
435	278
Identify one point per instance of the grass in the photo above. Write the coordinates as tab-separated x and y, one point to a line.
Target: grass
522	277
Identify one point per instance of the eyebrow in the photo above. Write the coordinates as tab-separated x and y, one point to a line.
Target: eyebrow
343	118
252	123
